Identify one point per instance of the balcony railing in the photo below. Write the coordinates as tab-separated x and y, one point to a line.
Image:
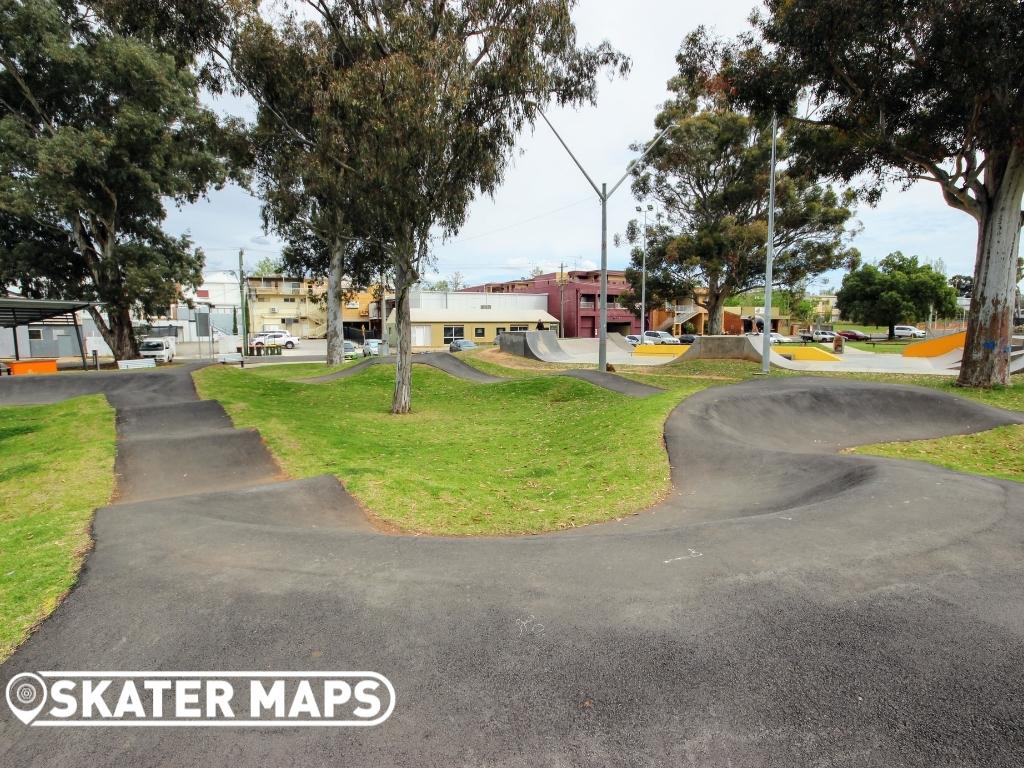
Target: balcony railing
587	304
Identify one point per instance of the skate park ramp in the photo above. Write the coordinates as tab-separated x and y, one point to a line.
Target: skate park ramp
546	347
819	358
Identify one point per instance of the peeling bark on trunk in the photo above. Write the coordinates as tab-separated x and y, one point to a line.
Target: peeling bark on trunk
335	325
990	322
405	277
118	333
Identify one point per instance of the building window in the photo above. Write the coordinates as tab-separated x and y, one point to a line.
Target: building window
35	334
453	332
499	332
478	332
514	328
289	301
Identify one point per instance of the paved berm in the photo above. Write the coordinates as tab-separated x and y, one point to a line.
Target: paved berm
786	605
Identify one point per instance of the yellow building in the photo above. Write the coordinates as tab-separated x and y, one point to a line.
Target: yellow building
299	306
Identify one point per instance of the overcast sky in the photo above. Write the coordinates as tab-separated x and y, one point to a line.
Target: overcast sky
546	213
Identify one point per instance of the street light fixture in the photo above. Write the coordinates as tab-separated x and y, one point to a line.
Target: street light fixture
766	332
603	193
643	277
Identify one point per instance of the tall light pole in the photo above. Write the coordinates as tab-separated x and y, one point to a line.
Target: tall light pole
603	193
244	309
766	334
643	277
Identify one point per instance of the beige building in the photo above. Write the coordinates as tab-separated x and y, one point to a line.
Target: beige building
439	318
299	306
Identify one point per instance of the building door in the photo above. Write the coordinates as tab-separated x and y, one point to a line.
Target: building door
421	335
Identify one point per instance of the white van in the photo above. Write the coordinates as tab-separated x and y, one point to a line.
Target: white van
160	348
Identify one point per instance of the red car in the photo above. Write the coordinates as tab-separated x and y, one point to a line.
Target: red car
854	335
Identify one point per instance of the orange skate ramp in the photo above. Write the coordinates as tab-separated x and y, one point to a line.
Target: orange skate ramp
936	347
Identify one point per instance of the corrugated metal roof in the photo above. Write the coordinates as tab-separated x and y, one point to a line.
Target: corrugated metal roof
15	311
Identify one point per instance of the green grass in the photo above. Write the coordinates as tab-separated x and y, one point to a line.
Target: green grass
517	457
529	455
56	467
295	371
996	452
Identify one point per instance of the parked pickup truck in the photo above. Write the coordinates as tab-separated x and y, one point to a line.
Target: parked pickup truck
160	348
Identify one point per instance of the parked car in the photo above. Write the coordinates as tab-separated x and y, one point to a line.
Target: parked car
280	338
461	344
687	338
777	338
160	348
909	332
371	347
826	337
633	339
854	335
351	350
659	337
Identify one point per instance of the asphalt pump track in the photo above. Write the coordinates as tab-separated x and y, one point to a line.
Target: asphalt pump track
786	605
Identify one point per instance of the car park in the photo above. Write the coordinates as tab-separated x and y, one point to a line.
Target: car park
659	337
852	334
461	344
908	332
276	338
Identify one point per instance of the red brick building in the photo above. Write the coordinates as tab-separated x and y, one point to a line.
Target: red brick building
574	298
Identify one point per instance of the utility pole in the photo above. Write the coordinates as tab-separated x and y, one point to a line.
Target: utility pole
766	334
643	278
603	193
241	298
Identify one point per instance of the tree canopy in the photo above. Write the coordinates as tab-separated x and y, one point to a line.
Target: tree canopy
89	157
898	290
710	177
906	90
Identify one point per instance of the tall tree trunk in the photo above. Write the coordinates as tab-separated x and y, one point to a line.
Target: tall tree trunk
405	277
990	322
335	322
715	305
117	331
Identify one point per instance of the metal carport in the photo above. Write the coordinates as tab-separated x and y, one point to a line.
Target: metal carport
16	311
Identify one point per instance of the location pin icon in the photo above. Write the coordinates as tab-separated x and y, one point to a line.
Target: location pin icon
26	696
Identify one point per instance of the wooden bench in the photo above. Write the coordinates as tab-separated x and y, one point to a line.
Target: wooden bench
146	362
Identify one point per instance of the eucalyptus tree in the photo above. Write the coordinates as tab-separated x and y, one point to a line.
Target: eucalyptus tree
98	130
905	90
443	104
710	179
